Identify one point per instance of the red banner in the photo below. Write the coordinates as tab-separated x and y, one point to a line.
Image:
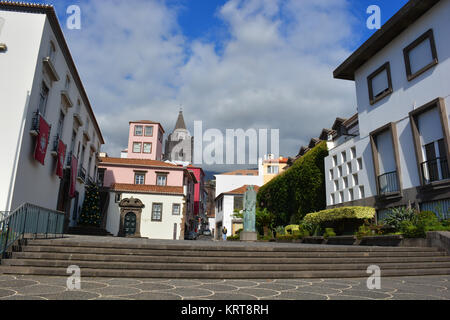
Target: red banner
73	177
61	157
42	141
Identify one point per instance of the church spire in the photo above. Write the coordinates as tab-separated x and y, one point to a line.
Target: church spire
180	121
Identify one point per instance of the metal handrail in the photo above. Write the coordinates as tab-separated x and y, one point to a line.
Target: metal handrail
435	170
388	183
32	220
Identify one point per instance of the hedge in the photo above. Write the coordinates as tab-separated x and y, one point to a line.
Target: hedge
336	214
299	190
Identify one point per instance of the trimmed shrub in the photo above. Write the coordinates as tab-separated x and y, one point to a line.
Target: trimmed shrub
398	215
329	232
298	190
291	229
336	214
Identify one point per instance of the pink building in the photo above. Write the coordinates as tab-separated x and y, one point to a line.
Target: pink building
145	140
200	198
166	191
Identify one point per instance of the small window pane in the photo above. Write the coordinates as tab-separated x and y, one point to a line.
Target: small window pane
138	130
148	131
380	83
157	212
176	209
137	147
420	56
140	179
147	148
162	180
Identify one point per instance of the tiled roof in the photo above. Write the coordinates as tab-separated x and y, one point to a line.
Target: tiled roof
241	172
147	189
281	160
241	190
49	10
138	162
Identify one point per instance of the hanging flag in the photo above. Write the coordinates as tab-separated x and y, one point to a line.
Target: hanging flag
73	177
42	141
61	157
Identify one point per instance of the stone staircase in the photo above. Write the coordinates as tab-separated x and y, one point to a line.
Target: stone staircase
89	231
140	258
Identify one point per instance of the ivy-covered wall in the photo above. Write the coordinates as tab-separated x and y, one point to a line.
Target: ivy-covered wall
299	190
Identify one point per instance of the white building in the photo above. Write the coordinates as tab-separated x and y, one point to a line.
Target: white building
39	76
402	76
229	185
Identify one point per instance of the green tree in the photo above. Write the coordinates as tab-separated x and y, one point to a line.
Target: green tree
90	212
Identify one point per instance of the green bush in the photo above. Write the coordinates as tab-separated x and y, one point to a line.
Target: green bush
291	228
299	190
364	231
397	216
280	230
331	215
420	224
329	232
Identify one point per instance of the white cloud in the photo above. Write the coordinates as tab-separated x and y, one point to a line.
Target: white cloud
273	71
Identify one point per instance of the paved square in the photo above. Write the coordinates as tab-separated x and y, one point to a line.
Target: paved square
54	288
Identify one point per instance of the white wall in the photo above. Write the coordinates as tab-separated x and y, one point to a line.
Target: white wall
149	229
22	34
28	38
226	183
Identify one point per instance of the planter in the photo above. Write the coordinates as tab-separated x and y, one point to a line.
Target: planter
342	240
418	242
382	241
314	240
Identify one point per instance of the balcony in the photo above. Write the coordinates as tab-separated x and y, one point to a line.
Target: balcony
388	183
82	175
55	146
435	170
66	98
50	69
87	135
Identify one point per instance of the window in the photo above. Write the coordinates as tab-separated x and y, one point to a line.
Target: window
148	131
176	209
361	192
345	183
344	157
332	201
138	130
355	179
157	212
60	125
67	84
336	185
161	180
137	146
340	172
147	148
351	196
139	178
353	153
360	164
341	196
43	99
334	161
331	174
349	168
272	169
420	55
380	83
51	51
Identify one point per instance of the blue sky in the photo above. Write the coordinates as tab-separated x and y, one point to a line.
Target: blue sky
231	63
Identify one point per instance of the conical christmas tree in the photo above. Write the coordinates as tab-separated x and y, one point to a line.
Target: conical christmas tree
90	212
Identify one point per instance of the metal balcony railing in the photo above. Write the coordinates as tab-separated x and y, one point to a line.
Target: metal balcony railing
388	183
435	170
29	220
82	174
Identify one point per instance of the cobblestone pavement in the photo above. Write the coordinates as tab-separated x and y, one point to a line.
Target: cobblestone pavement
54	288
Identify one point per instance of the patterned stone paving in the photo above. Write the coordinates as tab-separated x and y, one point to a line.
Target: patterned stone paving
54	288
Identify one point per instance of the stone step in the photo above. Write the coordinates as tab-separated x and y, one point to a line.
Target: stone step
223	260
183	274
218	267
118	243
231	254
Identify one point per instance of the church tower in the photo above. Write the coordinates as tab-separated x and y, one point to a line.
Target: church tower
180	143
